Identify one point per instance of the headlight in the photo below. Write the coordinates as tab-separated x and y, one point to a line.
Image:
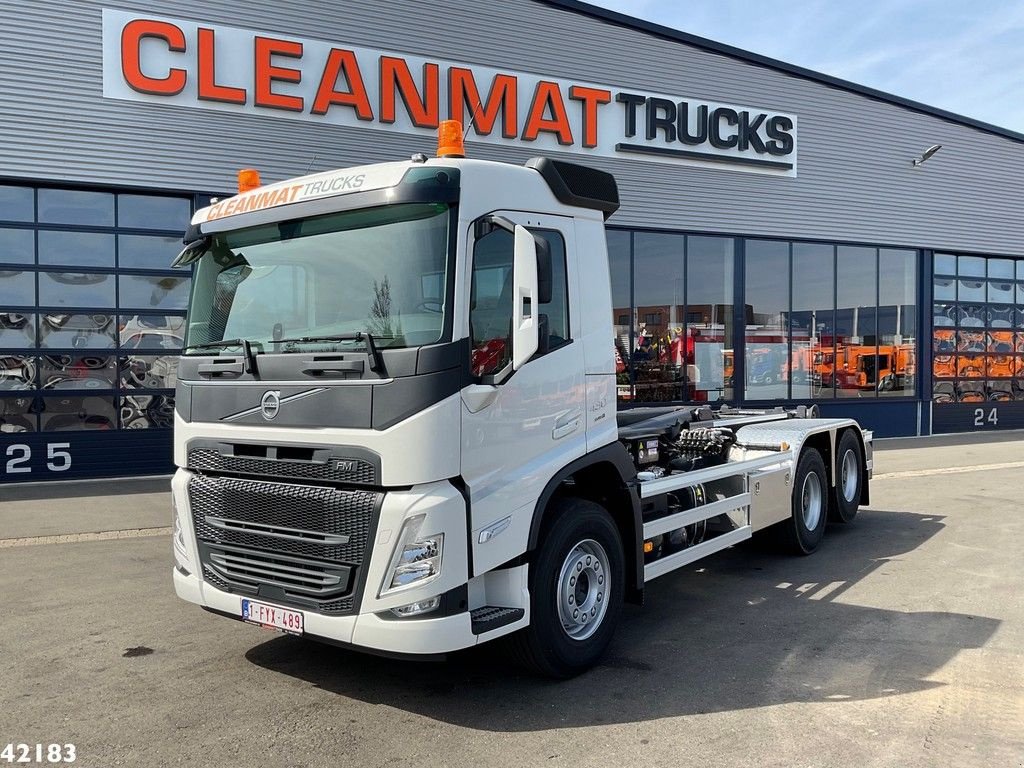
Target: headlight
417	558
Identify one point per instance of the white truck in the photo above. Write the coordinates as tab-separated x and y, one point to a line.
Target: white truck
396	425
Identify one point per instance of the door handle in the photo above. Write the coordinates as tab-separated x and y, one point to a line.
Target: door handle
566	425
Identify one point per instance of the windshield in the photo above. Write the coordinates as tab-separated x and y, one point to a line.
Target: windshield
379	270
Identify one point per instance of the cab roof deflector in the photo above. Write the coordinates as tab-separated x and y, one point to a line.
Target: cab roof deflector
578	185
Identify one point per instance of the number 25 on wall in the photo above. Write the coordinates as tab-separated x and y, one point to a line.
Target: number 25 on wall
58	458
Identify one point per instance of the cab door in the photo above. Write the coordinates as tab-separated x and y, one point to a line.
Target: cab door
518	427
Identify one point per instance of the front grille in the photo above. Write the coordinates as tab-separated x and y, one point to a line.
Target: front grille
334	469
298	544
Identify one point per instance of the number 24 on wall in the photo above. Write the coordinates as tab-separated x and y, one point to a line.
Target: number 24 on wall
980	418
58	458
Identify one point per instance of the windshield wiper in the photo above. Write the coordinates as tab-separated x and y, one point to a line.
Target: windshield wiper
376	362
245	344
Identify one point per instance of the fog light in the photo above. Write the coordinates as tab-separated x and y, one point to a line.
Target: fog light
417	608
417	559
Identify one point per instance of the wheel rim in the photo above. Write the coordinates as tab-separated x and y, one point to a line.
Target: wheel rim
850	475
583	589
810	501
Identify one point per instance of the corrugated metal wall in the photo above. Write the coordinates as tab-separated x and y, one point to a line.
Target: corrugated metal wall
855	179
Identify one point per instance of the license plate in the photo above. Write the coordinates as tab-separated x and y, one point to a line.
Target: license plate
272	617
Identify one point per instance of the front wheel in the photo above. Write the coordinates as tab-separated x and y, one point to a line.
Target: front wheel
577	581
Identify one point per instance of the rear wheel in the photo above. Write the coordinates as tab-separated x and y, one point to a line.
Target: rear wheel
849	465
577	581
802	533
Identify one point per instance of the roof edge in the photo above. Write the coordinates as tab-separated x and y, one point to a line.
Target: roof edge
659	30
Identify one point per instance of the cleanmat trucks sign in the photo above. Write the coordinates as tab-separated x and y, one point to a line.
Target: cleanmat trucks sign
160	60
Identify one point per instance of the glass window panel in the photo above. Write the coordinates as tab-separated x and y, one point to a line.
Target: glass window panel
1000	291
77	372
1020	269
709	296
146	251
17	203
944	289
970	290
78	331
153	212
1001	316
17	330
970	315
659	294
970	366
77	412
1000	366
970	391
149	371
813	321
73	206
767	315
944	392
970	341
1001	268
897	321
16	415
17	372
856	327
622	308
945	264
1000	391
76	249
17	246
17	288
152	331
147	411
971	266
1020	293
944	315
153	291
1019	342
75	289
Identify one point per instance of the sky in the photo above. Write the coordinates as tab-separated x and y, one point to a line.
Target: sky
960	55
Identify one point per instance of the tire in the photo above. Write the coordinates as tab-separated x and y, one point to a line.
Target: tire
802	533
580	541
849	474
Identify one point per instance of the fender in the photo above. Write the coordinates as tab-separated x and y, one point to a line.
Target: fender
614	457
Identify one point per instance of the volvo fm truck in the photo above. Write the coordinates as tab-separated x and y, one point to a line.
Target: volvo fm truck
396	424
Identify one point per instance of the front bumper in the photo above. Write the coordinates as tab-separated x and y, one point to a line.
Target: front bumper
417	636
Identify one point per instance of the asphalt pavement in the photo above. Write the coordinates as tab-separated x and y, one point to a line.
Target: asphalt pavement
899	643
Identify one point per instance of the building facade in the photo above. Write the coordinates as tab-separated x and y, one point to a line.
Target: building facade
777	242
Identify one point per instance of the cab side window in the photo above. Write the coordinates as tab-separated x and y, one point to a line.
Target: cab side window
490	303
556	310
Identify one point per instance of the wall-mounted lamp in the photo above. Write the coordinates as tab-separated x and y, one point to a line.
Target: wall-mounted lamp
926	154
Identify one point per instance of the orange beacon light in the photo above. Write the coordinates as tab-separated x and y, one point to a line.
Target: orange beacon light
248	178
449	139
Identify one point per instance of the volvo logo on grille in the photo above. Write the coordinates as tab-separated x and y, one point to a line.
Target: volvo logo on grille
270	405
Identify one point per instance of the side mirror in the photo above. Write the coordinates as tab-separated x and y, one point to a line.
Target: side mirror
544	277
525	298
